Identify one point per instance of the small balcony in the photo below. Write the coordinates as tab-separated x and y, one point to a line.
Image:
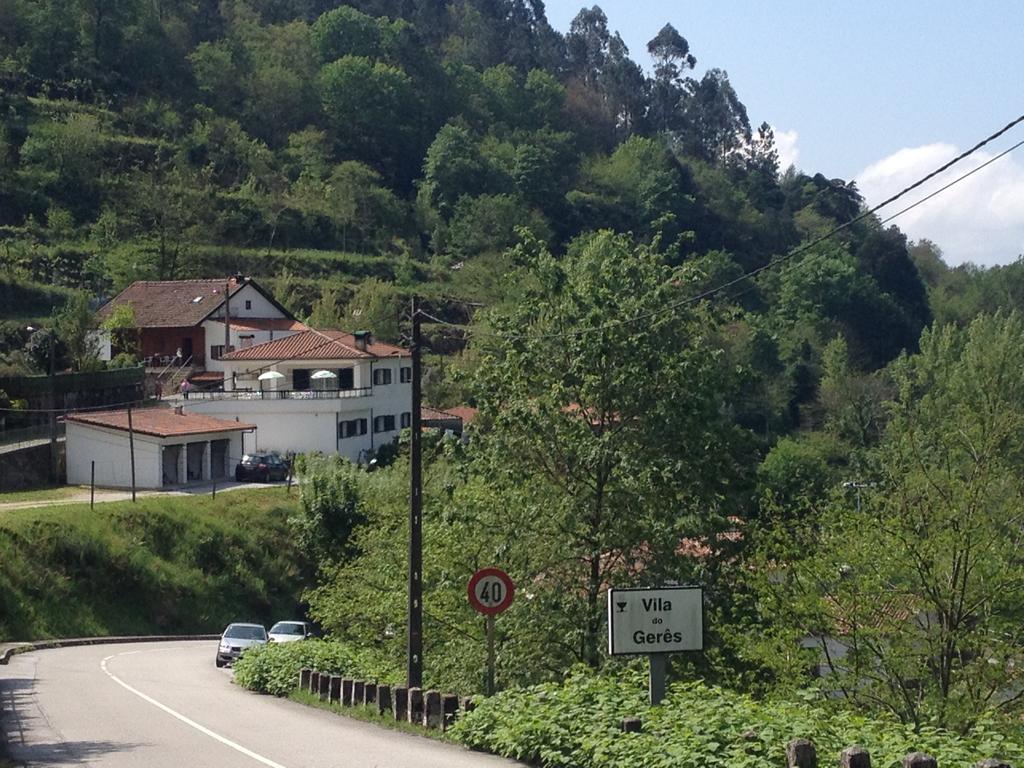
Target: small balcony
282	394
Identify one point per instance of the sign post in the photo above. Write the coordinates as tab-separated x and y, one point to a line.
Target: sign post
655	622
490	593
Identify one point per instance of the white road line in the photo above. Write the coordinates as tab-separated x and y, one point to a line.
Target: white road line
201	728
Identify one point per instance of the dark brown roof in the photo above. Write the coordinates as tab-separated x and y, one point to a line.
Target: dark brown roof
316	345
159	422
180	303
171	303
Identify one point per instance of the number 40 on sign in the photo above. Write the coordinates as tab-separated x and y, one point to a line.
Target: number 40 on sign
490	592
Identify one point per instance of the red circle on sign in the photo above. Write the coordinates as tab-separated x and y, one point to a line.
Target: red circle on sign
490	591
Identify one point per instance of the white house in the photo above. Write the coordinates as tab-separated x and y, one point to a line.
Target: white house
195	322
171	447
325	391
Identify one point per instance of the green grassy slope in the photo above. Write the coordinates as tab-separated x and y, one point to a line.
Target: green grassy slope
181	564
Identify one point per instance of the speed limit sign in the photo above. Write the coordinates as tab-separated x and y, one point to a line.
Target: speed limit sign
490	591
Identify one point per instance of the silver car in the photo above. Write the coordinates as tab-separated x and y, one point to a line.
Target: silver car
238	637
289	631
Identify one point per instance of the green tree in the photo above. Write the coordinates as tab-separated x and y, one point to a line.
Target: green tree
916	588
76	325
585	415
123	329
375	306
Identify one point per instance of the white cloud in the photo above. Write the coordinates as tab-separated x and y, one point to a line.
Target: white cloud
785	143
981	219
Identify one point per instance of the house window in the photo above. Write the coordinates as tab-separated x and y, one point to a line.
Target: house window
246	341
405	374
384	424
381	376
248	303
217	351
346	378
406	420
300	378
351	428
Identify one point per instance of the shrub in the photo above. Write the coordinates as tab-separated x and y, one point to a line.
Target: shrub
274	668
577	723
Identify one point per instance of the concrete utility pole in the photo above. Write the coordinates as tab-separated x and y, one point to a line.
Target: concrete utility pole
414	668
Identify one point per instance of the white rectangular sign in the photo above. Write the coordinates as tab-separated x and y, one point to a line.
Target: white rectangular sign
655	620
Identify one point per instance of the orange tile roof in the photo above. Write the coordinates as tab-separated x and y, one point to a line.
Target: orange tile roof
159	422
265	324
464	412
316	345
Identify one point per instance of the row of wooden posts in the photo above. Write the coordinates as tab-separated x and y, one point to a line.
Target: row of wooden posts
800	753
430	708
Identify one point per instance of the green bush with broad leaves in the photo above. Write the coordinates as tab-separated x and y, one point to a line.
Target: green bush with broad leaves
577	723
274	668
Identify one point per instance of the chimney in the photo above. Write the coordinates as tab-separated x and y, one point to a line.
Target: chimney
363	339
179	410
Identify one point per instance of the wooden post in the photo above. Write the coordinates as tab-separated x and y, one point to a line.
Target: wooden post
659	673
400	703
346	692
855	757
449	710
920	760
131	449
92	484
335	695
432	709
631	725
383	699
800	753
415	708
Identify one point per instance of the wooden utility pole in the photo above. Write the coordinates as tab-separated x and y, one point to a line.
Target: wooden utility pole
414	669
131	449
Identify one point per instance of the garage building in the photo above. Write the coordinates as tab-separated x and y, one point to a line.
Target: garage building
171	448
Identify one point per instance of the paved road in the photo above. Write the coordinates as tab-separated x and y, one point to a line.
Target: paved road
165	705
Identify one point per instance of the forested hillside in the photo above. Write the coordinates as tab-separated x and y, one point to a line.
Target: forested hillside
561	208
318	145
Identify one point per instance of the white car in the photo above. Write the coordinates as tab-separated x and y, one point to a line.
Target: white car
238	637
290	631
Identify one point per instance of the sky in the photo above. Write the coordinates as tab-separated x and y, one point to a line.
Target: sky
879	92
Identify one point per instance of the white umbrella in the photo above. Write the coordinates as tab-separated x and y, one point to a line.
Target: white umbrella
268	375
323	375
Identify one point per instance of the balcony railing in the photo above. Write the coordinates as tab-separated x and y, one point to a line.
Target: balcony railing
281	394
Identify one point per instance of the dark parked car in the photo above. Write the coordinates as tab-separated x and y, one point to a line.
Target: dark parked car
261	467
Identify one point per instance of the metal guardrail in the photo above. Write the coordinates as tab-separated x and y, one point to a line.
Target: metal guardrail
281	394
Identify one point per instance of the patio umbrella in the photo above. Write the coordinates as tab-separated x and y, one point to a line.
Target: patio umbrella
268	375
323	375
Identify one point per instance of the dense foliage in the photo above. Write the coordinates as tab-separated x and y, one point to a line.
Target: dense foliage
274	668
578	723
155	567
